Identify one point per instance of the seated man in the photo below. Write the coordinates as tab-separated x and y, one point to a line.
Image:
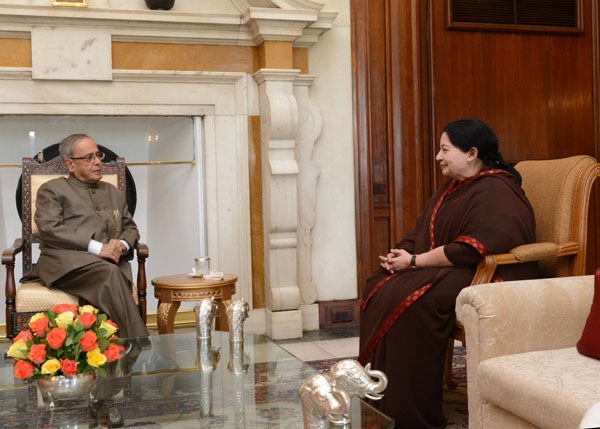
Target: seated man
87	237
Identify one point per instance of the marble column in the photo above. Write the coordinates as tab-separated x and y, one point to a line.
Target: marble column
279	124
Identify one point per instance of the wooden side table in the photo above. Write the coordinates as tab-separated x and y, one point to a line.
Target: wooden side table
171	290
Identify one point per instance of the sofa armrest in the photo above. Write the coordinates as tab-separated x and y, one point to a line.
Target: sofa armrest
522	316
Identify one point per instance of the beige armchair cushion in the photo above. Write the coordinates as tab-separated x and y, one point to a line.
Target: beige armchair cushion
35	297
549	388
550	187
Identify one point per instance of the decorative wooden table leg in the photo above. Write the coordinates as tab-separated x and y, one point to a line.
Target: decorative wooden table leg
165	317
221	324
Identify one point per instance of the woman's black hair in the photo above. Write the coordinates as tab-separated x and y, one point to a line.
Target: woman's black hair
468	133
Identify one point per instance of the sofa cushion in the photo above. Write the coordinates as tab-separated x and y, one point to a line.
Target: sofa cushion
589	344
550	388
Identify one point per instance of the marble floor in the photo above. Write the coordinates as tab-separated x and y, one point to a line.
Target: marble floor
324	344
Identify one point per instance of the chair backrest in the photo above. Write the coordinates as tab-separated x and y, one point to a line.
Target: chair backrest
34	175
559	191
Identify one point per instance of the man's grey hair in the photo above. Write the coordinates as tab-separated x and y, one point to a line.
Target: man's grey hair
67	146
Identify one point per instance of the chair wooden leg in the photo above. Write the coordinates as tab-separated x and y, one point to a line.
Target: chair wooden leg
448	380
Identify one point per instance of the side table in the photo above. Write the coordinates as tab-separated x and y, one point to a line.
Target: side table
171	290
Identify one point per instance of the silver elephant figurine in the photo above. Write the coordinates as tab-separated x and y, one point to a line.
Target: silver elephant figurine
205	313
237	312
322	402
350	376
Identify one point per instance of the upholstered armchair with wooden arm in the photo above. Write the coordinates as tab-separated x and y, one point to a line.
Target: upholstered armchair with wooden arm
30	298
559	191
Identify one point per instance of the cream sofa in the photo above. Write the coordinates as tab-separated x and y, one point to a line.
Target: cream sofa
523	369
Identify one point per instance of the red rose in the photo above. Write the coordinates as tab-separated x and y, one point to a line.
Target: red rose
86	319
112	352
23	369
61	308
112	323
88	342
24	335
68	367
39	326
37	353
56	337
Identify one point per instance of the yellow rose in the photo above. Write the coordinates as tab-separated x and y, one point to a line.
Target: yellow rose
64	320
88	309
110	329
37	316
50	366
18	350
95	358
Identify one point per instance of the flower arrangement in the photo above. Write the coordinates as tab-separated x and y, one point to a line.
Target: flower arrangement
66	340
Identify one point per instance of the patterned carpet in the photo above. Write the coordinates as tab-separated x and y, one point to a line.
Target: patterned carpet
455	401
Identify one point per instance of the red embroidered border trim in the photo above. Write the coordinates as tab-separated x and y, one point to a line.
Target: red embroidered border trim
472	242
383	329
451	188
365	301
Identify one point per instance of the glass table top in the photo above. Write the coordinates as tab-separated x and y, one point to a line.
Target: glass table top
178	381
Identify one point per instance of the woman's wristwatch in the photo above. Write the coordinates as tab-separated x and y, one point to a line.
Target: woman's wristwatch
413	261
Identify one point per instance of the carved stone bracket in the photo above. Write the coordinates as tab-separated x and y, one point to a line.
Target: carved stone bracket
310	125
279	120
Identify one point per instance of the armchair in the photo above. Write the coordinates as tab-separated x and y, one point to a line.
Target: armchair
31	298
559	192
523	369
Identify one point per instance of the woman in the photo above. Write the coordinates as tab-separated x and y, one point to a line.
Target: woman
408	304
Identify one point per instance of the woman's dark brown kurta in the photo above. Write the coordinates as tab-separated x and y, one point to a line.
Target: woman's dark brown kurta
407	317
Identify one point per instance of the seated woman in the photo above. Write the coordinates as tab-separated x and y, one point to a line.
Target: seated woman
408	304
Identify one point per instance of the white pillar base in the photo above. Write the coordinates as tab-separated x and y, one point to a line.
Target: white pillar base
255	323
283	325
310	317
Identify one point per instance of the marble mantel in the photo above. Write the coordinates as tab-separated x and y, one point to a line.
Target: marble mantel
230	22
71	49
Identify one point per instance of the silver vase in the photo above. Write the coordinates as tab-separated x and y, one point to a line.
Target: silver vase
67	387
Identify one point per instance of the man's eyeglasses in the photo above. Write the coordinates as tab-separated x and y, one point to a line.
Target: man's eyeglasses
90	156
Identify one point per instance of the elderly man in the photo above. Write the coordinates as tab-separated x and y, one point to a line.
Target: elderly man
87	236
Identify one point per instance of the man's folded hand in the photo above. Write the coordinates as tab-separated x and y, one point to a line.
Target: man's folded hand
112	250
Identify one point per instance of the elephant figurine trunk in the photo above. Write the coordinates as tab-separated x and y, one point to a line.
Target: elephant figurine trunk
205	313
237	313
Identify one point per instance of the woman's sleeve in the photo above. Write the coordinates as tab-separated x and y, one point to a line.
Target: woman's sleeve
408	241
496	220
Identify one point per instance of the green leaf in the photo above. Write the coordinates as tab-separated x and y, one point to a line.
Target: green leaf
103	343
100	333
78	337
68	340
101	372
79	327
52	317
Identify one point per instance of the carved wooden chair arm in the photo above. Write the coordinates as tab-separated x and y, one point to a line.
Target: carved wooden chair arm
142	250
141	283
521	254
8	255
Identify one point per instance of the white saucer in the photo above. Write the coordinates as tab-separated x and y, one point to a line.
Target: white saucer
197	276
